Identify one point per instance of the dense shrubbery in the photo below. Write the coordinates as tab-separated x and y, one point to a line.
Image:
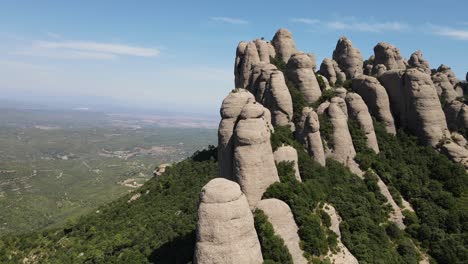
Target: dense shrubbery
435	186
273	249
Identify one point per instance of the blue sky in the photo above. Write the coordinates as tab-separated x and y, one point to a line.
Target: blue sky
179	55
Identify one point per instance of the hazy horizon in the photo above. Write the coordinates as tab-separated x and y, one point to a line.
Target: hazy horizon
178	57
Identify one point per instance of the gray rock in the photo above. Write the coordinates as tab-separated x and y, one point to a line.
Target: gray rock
341	92
313	60
376	98
389	56
245	59
278	100
343	149
263	50
308	132
284	44
225	228
288	154
230	110
444	87
300	72
416	61
330	70
424	113
254	164
281	218
357	110
449	73
349	58
455	152
393	82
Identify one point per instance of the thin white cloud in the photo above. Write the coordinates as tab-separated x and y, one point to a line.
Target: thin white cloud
307	21
459	34
353	24
90	47
230	20
367	27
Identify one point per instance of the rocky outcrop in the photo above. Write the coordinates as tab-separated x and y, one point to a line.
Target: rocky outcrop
288	154
263	50
343	149
357	110
246	57
254	164
447	71
281	218
284	44
341	92
259	78
444	87
313	60
300	72
225	228
389	56
330	70
308	132
343	255
278	100
349	58
230	110
424	113
455	152
456	113
416	61
393	82
376	98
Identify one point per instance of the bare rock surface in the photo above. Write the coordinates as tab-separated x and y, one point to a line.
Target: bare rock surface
416	61
300	72
330	70
263	50
357	110
246	57
343	149
278	100
288	154
225	228
284	44
389	56
281	218
254	164
376	98
349	58
396	215
447	71
230	110
444	87
308	132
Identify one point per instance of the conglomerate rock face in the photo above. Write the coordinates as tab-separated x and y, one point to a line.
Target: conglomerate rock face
281	218
389	56
330	70
284	44
349	58
230	110
254	164
225	228
357	110
308	132
300	72
416	61
278	100
376	98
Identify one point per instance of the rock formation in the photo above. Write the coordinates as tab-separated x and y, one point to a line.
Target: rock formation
300	72
246	57
308	132
330	70
263	50
349	59
225	228
357	110
393	82
447	71
284	44
444	87
389	56
281	218
376	98
278	100
424	113
288	154
254	164
416	61
343	149
230	110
